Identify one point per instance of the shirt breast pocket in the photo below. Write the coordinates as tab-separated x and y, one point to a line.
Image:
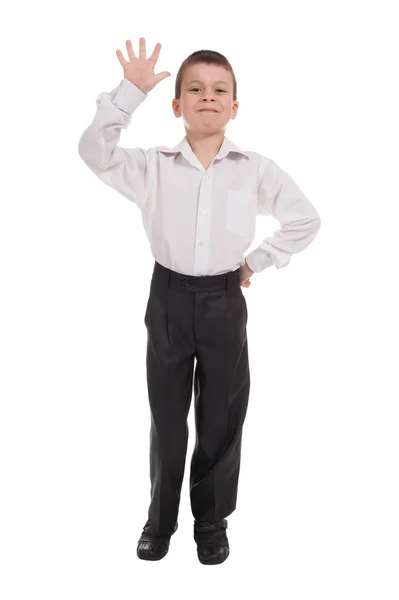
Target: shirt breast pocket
240	212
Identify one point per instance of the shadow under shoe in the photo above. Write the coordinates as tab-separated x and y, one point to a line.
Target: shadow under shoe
212	543
150	547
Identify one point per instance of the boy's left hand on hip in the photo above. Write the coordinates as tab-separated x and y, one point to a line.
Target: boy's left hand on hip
245	274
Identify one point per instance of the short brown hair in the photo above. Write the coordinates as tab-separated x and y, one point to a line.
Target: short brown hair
210	57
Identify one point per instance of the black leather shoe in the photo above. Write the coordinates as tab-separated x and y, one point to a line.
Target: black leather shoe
150	547
212	543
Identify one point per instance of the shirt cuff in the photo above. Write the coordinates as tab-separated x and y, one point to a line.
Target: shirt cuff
128	96
258	260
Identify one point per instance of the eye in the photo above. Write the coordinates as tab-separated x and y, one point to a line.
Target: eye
196	88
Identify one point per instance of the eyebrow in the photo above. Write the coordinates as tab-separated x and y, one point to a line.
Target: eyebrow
199	81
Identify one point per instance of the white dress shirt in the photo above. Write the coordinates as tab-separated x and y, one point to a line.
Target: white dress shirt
198	221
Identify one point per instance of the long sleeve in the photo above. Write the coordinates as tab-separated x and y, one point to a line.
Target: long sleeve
123	169
280	197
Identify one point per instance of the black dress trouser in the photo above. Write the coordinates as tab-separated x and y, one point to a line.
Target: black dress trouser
203	318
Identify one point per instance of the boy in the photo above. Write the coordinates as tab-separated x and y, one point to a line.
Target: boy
199	203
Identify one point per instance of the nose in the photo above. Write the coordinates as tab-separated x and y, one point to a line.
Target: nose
207	95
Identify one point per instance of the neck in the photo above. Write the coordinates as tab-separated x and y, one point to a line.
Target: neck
206	146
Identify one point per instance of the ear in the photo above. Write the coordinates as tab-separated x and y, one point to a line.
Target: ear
234	109
176	107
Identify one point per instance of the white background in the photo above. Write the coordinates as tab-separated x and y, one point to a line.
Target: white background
317	509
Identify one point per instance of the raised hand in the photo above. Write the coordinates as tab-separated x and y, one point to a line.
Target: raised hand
140	71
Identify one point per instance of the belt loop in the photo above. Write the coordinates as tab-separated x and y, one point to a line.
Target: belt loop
235	277
232	278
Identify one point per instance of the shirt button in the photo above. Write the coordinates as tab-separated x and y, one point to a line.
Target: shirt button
206	177
203	211
201	243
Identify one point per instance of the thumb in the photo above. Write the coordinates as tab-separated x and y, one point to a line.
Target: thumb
162	76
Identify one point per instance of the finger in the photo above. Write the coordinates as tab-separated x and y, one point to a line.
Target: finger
130	51
121	58
154	56
142	48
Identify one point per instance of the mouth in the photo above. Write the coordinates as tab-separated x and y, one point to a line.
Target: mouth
208	110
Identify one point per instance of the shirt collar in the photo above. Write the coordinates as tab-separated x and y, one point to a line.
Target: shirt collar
184	147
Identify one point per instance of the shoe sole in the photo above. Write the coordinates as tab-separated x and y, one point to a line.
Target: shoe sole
151	557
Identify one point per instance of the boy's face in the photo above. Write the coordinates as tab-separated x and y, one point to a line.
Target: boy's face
206	86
